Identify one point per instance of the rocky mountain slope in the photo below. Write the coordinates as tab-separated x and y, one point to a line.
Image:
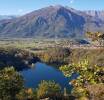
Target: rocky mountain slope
97	14
50	22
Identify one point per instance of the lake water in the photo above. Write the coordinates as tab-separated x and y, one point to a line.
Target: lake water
41	72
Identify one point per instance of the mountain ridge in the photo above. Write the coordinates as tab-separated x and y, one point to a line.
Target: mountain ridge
4	17
52	21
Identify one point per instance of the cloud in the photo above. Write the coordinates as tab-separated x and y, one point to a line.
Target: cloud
71	1
20	10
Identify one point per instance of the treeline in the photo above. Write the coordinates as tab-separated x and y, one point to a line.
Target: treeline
62	56
21	59
56	56
95	56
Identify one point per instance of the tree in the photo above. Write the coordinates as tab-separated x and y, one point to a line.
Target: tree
96	36
27	94
101	37
87	76
11	83
47	89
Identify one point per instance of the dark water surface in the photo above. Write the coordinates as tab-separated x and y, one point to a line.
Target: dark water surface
41	72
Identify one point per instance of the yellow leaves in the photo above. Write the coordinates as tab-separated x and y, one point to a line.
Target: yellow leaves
81	65
6	77
67	70
79	91
84	98
29	91
95	36
84	63
47	88
10	80
88	75
74	83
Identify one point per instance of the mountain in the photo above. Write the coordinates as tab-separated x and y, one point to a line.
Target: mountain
97	14
2	17
50	22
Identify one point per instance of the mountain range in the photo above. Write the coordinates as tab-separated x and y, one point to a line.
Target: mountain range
53	21
97	14
2	17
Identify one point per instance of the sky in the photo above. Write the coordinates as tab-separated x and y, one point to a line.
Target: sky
20	7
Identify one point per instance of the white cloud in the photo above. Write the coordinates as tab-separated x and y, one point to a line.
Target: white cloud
71	1
20	10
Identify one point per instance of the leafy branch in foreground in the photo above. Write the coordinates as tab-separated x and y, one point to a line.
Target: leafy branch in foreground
88	75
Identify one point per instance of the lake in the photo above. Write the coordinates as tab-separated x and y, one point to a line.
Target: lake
41	71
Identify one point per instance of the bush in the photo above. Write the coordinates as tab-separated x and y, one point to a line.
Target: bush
88	76
47	89
11	83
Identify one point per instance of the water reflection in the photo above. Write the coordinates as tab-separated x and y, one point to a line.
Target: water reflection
41	72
